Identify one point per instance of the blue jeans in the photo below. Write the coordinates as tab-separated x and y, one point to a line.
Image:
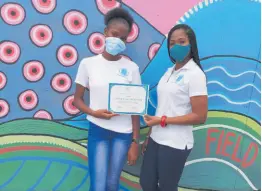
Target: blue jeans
107	151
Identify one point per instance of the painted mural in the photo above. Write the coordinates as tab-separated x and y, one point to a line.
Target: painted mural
43	137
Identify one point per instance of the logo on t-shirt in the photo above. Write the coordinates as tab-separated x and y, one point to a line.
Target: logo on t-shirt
123	72
179	78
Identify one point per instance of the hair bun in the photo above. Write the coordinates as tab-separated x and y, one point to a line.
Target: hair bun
119	13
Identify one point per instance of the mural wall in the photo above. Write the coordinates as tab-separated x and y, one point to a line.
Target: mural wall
43	137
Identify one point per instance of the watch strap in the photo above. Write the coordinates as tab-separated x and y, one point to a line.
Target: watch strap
134	140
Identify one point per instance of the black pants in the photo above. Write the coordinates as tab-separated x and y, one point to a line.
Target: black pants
162	167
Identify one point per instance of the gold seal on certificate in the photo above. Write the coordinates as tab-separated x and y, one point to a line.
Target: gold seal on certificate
128	99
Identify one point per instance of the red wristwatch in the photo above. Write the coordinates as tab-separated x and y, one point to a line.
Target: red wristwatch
163	121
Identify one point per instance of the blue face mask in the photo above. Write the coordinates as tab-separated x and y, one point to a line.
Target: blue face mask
114	45
179	52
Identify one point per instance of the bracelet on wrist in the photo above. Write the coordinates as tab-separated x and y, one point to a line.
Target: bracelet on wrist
163	121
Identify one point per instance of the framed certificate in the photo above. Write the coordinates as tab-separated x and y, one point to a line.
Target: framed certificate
128	99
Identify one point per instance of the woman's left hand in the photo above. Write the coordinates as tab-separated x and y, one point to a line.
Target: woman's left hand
152	120
133	154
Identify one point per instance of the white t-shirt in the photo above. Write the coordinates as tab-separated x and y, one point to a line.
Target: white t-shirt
174	92
96	73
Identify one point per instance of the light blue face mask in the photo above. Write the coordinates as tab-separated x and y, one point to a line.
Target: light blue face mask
114	45
179	52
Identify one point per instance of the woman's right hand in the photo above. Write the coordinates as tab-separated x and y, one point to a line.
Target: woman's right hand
103	114
144	146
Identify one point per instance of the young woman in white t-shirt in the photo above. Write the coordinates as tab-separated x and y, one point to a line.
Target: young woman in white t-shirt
111	137
182	103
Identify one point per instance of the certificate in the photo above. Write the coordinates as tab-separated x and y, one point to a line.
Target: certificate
128	99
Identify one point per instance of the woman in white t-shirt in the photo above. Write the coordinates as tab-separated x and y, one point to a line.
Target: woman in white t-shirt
182	103
110	137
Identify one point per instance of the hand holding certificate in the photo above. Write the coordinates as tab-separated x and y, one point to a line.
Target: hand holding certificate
128	99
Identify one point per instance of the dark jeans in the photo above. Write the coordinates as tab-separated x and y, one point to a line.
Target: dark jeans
162	167
107	151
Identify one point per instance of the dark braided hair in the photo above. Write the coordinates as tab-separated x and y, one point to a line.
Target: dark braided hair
192	40
121	15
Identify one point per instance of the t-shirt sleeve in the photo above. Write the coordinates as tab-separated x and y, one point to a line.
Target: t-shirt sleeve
136	77
82	77
197	85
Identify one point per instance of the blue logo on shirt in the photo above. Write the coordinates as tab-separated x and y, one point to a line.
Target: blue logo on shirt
123	72
179	78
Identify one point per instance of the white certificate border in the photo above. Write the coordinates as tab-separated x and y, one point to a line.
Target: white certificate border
146	87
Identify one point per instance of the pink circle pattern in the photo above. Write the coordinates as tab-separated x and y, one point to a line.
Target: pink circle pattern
33	71
41	35
75	22
28	100
43	114
44	7
9	52
4	108
96	43
106	5
61	82
153	50
67	55
133	34
12	13
69	107
3	80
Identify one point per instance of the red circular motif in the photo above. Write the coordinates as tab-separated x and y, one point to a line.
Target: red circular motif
9	52
28	100
4	108
106	5
96	43
69	107
12	13
44	6
41	35
33	71
3	80
75	22
43	114
67	55
133	34
61	82
153	50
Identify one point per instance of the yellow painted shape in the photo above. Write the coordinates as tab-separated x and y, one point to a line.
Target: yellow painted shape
130	177
243	119
9	139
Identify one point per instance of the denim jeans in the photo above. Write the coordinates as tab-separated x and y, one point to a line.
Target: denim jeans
107	151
